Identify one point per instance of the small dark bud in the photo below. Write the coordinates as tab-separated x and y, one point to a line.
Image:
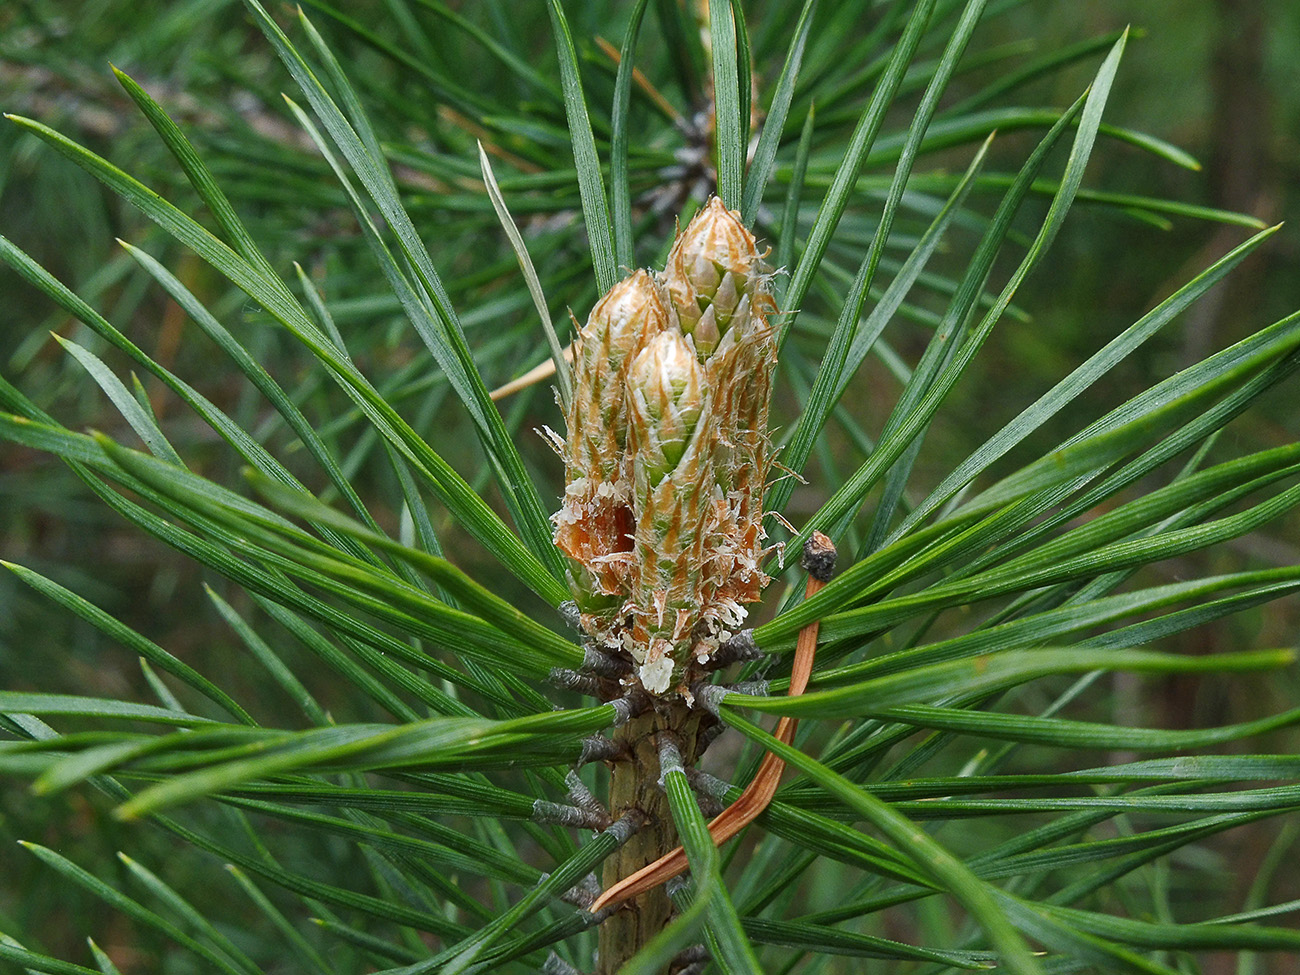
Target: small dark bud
819	557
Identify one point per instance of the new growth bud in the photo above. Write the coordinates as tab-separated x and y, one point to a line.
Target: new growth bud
619	326
712	274
665	397
672	494
668	453
595	526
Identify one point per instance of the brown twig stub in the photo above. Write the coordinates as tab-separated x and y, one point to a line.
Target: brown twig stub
539	372
819	555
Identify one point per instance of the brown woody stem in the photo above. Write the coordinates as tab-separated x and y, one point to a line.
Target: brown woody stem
634	784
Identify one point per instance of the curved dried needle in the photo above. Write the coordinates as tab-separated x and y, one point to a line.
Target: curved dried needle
530	277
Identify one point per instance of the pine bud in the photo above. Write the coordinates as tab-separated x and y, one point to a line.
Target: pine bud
671	463
595	525
713	271
619	326
665	397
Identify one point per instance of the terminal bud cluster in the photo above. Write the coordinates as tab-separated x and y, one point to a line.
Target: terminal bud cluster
667	453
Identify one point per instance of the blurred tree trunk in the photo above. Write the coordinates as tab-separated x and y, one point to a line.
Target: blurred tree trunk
1239	174
1240	170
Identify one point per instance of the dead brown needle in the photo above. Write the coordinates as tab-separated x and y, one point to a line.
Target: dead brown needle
539	372
819	560
641	80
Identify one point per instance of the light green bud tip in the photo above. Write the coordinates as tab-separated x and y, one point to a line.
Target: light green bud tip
666	387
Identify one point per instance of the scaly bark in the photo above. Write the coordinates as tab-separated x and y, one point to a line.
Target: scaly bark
634	784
